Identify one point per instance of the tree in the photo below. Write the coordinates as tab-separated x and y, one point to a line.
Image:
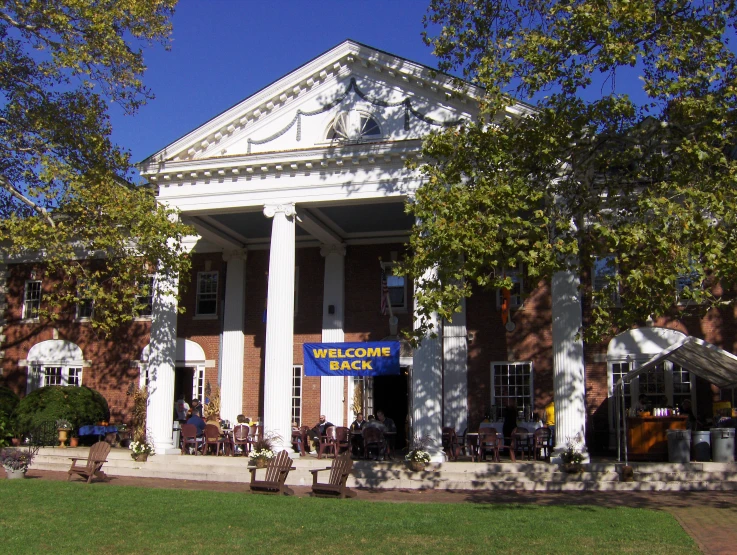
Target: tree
64	193
625	159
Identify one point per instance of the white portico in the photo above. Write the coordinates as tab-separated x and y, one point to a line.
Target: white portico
316	159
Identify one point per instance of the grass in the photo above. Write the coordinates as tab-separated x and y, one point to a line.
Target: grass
44	516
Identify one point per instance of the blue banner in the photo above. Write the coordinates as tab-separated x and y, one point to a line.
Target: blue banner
373	358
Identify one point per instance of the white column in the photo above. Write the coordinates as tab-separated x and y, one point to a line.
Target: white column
231	357
427	385
569	378
332	388
455	371
162	353
280	326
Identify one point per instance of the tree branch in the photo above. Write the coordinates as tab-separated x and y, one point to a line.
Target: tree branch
5	184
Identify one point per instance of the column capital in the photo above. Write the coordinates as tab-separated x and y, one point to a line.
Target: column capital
237	254
333	248
289	209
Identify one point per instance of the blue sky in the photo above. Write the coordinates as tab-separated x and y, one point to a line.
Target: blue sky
225	50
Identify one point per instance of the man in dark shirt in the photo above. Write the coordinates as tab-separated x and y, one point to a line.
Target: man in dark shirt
197	421
356	438
317	431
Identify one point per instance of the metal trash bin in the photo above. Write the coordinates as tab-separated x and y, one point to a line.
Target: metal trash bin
176	430
722	444
700	446
679	446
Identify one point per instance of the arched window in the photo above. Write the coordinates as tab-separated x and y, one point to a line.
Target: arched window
54	362
353	126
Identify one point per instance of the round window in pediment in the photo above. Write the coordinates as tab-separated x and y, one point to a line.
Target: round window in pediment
353	126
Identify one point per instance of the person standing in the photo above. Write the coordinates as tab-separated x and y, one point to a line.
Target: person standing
357	435
549	417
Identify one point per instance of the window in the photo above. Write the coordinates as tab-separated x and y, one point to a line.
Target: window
58	375
207	293
666	384
84	306
393	287
144	300
512	385
297	394
601	276
31	300
515	297
618	370
353	126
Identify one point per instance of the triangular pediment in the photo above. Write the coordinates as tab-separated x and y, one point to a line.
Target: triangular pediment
364	88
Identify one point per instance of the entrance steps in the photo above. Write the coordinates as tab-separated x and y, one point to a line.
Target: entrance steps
461	475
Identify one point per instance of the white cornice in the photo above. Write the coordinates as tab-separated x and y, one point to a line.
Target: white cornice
333	64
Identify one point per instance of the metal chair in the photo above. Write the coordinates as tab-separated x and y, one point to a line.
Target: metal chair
189	439
241	439
450	443
213	438
542	443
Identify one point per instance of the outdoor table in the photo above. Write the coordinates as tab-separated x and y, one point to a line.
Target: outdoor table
99	431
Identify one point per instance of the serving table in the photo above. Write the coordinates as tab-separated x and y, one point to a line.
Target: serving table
647	436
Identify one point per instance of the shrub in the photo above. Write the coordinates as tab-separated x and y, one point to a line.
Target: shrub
79	405
8	401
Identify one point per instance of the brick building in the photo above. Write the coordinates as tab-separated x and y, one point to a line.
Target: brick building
297	195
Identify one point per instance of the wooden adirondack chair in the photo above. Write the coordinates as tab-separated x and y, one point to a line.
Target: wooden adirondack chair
276	474
91	466
339	472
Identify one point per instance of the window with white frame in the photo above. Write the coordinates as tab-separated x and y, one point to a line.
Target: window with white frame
353	126
515	293
617	371
57	375
512	384
603	276
666	384
84	304
394	288
144	300
297	394
31	299
207	293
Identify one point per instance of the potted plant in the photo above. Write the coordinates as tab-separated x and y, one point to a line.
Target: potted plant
262	450
63	426
572	456
16	462
417	457
140	450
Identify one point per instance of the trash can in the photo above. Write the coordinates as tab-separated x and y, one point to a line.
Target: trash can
700	446
176	430
722	444
679	446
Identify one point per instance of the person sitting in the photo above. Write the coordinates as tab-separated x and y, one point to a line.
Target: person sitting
198	422
389	427
215	421
317	431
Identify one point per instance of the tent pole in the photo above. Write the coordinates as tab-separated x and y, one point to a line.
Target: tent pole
616	415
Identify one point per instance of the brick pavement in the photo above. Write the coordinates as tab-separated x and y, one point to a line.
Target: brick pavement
710	518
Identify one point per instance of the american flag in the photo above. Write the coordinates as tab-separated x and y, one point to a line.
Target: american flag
384	292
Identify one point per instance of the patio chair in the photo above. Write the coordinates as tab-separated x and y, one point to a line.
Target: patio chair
213	438
336	485
92	465
521	444
489	442
240	439
276	474
342	440
328	442
373	439
450	443
189	439
542	443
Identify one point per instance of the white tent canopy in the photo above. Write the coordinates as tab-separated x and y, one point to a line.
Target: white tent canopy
699	357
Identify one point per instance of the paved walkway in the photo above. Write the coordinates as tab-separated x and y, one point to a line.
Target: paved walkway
709	517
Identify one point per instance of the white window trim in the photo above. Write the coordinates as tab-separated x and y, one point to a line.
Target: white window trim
388	268
79	318
352	119
37	373
146	317
25	317
595	273
300	399
207	315
516	302
510	363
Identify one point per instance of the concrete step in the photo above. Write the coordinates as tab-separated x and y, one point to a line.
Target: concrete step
461	475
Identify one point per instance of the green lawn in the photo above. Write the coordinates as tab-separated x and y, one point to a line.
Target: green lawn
44	516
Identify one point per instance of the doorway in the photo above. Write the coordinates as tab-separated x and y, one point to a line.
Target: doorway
390	394
187	380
